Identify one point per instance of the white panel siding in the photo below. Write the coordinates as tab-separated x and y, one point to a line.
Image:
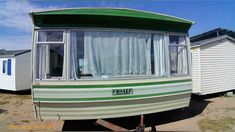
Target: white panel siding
218	67
23	71
196	70
7	82
67	103
123	110
104	92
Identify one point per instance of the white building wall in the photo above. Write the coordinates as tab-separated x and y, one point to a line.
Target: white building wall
23	71
218	67
196	70
7	82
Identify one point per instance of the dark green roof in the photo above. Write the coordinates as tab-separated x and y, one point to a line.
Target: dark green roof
110	18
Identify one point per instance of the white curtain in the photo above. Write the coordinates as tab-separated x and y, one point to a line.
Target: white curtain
43	61
73	63
42	36
182	67
117	53
160	58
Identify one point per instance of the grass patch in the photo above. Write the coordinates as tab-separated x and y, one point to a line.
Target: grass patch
224	124
233	108
3	102
25	121
229	96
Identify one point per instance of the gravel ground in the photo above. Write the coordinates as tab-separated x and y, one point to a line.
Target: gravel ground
214	113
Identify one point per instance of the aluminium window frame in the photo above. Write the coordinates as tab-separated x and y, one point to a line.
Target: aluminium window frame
66	42
187	47
46	42
115	30
166	40
36	43
4	65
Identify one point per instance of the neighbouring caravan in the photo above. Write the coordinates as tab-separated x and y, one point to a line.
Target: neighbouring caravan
213	61
91	63
15	67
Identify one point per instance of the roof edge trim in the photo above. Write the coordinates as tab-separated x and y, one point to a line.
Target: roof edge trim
150	12
209	41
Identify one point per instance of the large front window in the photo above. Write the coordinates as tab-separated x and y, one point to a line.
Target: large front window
50	55
116	54
109	54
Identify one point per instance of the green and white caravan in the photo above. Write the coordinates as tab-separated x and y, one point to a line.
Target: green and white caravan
96	63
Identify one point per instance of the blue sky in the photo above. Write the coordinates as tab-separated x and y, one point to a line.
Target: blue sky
15	24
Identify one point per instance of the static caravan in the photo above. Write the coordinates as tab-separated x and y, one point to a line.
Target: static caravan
91	63
213	62
15	68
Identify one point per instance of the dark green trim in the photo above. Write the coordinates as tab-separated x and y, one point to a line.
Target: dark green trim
113	12
111	98
111	85
110	18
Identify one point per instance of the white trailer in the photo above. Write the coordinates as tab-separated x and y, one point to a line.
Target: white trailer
15	71
213	62
97	63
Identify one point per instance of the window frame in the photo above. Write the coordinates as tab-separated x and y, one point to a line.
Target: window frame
187	55
4	67
66	42
52	42
63	77
121	77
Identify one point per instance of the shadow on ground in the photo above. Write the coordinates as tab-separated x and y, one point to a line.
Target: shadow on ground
197	105
2	111
21	92
208	96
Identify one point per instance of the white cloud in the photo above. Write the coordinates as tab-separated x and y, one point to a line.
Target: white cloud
14	15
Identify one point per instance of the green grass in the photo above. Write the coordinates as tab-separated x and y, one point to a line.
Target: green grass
224	124
3	102
26	121
232	108
225	95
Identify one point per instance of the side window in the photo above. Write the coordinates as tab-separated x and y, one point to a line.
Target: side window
50	55
178	55
4	66
50	36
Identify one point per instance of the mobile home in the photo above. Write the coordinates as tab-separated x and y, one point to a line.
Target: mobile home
213	61
91	63
15	68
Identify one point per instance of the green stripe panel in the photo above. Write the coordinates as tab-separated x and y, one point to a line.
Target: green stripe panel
111	85
112	98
